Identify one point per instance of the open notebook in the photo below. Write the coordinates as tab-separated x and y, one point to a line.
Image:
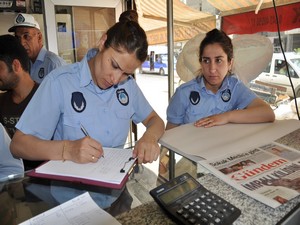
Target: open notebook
111	171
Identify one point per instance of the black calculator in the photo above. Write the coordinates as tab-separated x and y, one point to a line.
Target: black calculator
186	201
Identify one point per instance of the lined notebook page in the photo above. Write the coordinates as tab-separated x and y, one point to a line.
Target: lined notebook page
107	169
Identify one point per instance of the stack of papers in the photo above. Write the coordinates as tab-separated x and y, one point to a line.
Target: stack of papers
111	171
79	210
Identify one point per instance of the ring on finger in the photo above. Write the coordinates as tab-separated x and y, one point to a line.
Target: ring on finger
93	157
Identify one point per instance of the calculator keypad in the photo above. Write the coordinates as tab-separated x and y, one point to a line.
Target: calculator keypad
187	202
207	208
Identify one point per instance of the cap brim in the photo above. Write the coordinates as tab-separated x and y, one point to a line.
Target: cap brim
12	29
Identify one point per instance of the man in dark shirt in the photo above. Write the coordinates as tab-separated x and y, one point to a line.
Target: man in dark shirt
16	85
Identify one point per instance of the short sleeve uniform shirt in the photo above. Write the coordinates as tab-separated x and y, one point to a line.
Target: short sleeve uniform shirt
192	101
68	98
44	64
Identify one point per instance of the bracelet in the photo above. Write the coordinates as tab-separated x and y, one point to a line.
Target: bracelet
63	151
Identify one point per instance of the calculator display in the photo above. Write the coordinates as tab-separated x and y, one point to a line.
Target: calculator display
178	191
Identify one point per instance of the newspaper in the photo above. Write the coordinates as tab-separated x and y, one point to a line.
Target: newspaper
269	173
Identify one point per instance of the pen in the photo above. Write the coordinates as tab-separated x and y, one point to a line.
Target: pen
84	131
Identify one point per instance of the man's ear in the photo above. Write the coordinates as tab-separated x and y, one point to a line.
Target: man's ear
40	38
16	66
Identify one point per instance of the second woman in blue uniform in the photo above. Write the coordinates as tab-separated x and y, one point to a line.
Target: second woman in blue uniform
216	96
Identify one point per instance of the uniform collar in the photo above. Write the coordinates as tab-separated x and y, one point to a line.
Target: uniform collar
225	83
86	77
41	55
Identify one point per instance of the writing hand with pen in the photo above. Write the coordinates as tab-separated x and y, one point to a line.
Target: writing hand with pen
84	150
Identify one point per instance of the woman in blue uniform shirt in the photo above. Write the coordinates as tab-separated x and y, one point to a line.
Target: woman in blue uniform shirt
216	96
97	93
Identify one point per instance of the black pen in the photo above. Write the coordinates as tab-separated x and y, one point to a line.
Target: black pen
84	131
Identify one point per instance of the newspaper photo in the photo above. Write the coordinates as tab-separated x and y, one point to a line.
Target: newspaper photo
269	173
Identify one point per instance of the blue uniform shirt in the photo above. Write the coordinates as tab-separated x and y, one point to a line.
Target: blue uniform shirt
44	64
192	101
68	97
8	164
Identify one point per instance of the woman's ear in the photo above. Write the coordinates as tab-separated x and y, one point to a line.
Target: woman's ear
102	41
230	65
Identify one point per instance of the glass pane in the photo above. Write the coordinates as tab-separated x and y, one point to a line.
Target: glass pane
80	28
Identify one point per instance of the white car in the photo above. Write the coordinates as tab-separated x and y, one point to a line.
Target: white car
276	73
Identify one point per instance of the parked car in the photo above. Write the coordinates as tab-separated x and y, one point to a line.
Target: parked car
160	65
276	72
157	60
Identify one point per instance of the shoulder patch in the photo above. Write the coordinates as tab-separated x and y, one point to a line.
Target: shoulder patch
226	95
78	102
41	73
122	96
194	97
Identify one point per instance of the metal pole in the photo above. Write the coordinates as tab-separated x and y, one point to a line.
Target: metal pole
170	35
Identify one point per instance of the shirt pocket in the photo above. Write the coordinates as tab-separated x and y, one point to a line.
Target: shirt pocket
123	114
123	118
222	107
72	125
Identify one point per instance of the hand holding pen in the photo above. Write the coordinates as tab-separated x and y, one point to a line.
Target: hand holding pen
84	131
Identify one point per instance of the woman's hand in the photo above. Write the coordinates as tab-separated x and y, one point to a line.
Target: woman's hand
84	150
215	120
146	149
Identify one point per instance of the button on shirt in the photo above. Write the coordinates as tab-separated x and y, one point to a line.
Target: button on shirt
68	97
44	64
192	101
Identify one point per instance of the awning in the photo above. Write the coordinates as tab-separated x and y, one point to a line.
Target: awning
230	7
264	21
188	22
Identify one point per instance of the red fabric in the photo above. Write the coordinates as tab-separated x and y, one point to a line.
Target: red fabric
264	21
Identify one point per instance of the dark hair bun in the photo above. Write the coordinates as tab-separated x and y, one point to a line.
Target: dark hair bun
129	15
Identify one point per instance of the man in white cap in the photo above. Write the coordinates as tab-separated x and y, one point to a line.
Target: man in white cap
27	30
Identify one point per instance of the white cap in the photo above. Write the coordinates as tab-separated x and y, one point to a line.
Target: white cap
24	20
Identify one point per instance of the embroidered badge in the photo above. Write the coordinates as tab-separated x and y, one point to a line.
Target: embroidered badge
122	96
41	73
20	18
226	95
194	97
78	102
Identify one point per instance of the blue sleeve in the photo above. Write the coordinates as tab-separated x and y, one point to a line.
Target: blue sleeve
38	119
244	95
8	164
53	61
176	109
142	107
